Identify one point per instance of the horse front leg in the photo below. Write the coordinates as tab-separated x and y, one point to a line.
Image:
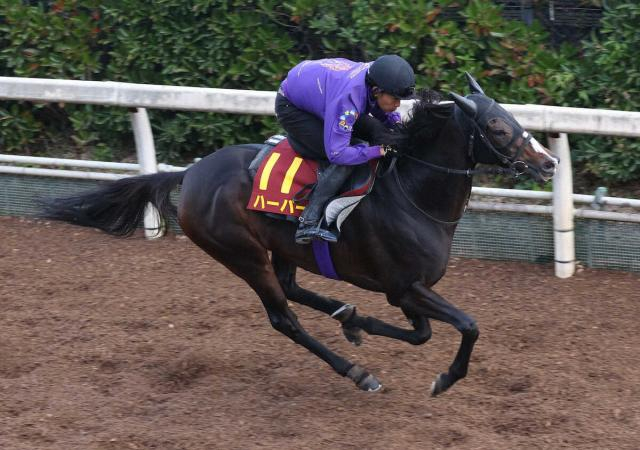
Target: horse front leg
430	304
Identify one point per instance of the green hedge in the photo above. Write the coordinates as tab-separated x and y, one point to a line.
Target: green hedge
252	45
607	75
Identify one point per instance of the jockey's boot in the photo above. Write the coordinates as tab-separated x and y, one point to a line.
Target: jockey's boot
329	181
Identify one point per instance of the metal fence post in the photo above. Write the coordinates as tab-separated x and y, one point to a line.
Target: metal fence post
146	153
563	212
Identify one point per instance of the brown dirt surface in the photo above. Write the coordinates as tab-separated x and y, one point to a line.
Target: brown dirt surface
112	344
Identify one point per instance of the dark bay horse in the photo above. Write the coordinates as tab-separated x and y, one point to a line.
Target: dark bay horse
397	241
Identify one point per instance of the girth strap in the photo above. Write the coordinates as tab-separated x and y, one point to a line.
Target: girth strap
323	259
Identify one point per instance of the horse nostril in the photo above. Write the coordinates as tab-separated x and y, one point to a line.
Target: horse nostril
549	166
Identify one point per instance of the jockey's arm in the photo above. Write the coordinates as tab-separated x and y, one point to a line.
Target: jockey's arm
338	127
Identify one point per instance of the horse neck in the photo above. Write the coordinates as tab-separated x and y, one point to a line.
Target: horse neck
443	196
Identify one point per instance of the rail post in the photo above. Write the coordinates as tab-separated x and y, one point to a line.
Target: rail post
563	212
146	153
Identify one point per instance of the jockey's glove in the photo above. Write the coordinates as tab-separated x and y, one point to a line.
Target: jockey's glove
388	150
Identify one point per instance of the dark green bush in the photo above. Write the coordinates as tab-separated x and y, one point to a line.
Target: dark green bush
440	39
189	43
44	42
608	76
252	45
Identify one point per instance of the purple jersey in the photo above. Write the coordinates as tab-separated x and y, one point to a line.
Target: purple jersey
335	91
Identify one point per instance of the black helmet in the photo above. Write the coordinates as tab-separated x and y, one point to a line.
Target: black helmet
393	75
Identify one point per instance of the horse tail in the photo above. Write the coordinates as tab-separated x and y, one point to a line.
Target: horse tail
118	207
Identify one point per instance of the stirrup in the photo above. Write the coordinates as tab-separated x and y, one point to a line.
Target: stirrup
306	234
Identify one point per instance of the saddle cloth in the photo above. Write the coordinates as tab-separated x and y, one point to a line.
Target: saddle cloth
283	181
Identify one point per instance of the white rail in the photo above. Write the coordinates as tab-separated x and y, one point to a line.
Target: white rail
548	119
102	176
548	210
134	167
132	95
544	195
41	161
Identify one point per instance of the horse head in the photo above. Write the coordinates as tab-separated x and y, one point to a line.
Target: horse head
503	140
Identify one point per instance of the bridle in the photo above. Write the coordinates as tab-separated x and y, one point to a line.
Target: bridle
515	166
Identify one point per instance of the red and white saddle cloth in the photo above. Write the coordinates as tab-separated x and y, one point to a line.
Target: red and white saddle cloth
284	179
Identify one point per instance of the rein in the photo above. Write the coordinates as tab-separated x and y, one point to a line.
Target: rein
404	193
449	171
466	172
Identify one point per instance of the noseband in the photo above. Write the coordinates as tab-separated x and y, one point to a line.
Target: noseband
516	165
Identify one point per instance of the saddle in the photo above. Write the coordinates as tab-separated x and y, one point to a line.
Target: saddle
283	181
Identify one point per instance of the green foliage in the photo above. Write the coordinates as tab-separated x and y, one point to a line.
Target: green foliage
252	44
440	39
225	44
46	43
59	42
608	76
18	127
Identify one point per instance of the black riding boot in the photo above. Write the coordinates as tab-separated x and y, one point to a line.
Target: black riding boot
329	181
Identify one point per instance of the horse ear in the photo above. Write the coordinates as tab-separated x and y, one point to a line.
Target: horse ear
473	84
468	106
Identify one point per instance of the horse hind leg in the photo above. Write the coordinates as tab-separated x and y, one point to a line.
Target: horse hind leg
420	334
254	268
342	312
352	323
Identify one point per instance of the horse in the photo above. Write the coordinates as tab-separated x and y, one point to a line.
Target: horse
397	241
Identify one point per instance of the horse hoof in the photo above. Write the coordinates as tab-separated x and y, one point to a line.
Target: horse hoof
363	379
370	384
440	385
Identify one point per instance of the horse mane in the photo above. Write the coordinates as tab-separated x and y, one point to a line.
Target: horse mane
426	119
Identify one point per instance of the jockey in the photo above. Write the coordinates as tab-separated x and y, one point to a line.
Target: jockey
318	104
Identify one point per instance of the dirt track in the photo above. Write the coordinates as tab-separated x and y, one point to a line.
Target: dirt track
131	344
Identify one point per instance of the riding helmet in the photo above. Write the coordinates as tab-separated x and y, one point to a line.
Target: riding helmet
393	75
